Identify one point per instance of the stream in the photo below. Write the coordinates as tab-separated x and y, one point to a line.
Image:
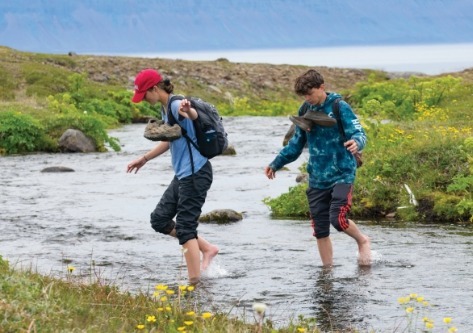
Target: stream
98	216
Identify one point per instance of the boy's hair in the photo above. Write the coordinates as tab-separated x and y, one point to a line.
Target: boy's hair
307	81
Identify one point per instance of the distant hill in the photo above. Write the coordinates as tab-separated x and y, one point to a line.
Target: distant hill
132	26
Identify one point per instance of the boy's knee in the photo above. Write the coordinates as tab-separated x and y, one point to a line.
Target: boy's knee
185	236
163	226
340	223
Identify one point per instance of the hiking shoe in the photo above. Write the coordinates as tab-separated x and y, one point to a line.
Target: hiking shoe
301	122
320	118
158	130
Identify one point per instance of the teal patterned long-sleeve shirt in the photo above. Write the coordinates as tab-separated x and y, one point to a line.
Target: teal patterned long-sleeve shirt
330	162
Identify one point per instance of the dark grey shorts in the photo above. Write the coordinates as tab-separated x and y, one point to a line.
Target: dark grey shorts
183	199
329	206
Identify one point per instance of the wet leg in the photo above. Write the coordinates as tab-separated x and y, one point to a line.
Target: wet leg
325	251
363	241
209	251
192	255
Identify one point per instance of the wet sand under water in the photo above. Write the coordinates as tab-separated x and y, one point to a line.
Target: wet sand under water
99	216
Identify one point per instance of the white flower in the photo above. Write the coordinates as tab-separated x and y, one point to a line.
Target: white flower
259	308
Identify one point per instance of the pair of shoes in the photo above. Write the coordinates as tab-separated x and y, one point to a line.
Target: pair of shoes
310	118
301	122
320	118
158	130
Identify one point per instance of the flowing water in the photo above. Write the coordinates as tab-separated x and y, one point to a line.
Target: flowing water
99	216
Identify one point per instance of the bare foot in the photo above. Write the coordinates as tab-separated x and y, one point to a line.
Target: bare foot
208	255
364	249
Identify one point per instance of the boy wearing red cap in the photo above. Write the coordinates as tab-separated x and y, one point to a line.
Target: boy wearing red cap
185	196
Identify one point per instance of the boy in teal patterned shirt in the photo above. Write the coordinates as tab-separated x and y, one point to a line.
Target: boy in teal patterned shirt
331	166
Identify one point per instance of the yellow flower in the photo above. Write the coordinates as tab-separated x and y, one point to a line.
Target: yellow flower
420	299
402	300
206	315
413	296
410	309
181	329
157	294
151	319
170	292
163	299
160	309
425	303
188	322
190	288
301	329
70	268
161	287
190	313
429	325
168	308
140	326
182	288
452	329
447	320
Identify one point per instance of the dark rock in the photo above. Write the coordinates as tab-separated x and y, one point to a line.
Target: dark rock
57	169
221	216
74	141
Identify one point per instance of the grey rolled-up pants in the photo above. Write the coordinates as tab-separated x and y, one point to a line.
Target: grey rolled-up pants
183	199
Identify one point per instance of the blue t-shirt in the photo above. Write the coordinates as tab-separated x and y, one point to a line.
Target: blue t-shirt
181	160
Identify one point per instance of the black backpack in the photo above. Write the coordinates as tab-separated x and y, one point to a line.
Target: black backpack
211	136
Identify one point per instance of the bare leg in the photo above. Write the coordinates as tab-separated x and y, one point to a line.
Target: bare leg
192	255
325	251
209	251
364	244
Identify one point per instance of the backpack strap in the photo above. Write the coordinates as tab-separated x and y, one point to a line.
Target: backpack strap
336	112
172	120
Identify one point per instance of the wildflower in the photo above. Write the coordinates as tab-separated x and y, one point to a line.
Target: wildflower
161	287
190	288
140	326
188	322
452	329
168	308
425	303
447	320
182	288
160	309
170	292
429	325
71	268
157	294
259	308
206	315
410	309
413	296
163	299
181	329
301	329
420	299
190	313
151	319
403	300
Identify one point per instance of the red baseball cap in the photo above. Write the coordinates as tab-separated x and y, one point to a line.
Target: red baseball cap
145	80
